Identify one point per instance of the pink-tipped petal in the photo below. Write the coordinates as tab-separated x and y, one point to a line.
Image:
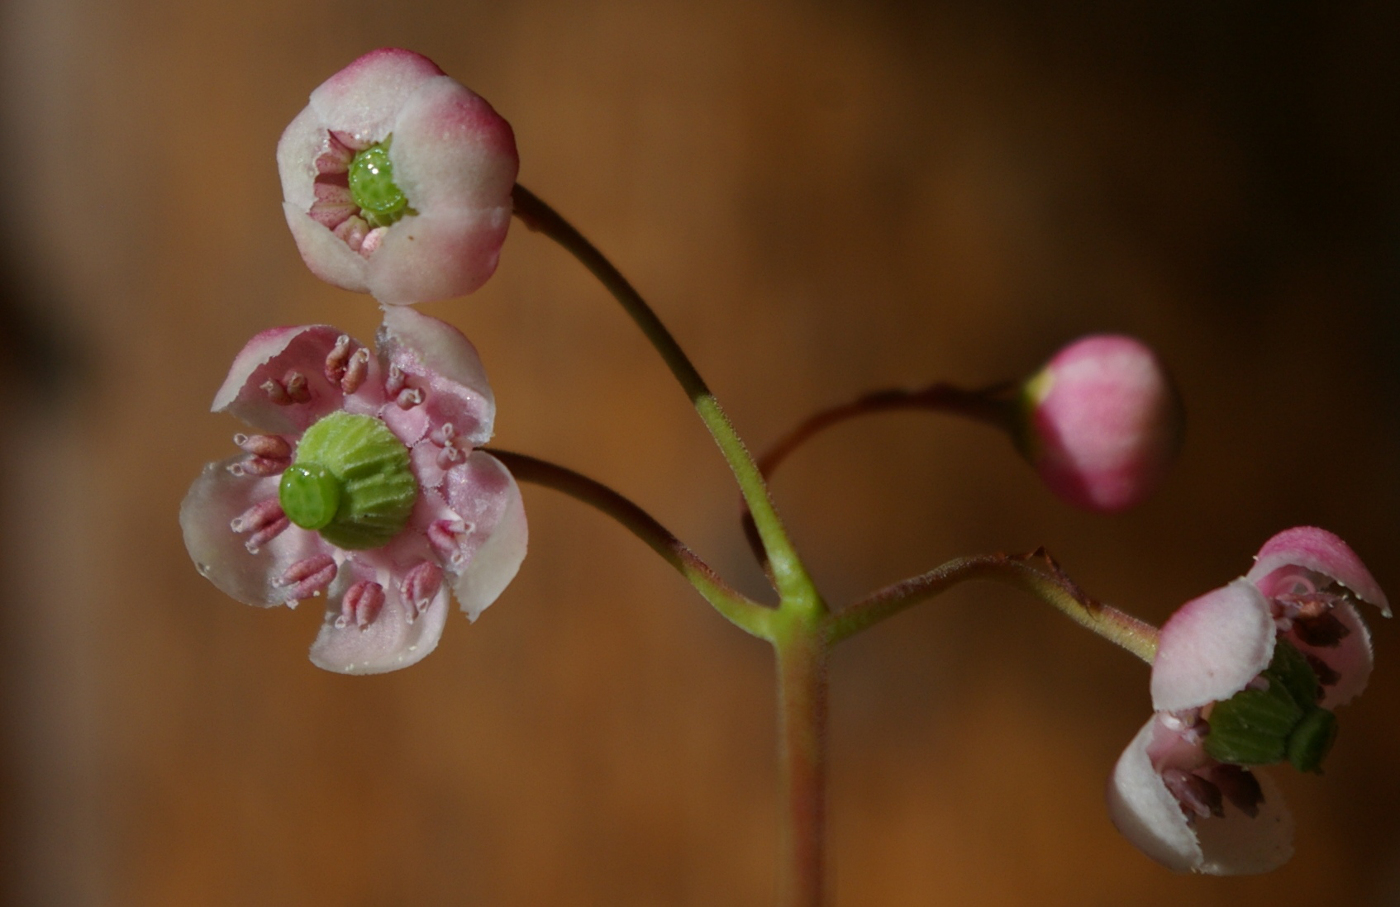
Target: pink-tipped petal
485	495
436	359
390	642
270	356
1212	647
1321	552
364	98
221	555
437	255
1351	658
451	150
302	142
1146	813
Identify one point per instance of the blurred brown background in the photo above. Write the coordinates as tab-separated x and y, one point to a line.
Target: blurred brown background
820	197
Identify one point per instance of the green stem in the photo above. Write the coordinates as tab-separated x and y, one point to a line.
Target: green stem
789	573
1044	580
802	702
740	610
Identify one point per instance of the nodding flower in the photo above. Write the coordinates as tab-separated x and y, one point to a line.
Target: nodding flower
397	180
1245	676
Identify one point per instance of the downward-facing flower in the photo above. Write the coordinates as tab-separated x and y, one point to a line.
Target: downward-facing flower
362	485
397	180
1246	675
1101	422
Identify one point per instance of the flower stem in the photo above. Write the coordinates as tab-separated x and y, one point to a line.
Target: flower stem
990	405
1044	580
738	608
801	650
789	573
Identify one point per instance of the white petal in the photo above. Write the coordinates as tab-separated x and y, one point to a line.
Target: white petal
484	492
388	643
365	97
1147	814
326	254
1212	647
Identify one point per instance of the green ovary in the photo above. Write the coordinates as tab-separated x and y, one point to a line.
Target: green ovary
350	481
372	186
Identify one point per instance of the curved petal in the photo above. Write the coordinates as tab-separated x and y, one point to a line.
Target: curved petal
451	150
1351	658
215	499
1146	813
391	640
1321	552
365	97
1212	647
328	257
437	254
304	139
438	360
484	494
272	356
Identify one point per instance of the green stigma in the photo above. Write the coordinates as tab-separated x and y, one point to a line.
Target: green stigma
372	186
1281	722
350	481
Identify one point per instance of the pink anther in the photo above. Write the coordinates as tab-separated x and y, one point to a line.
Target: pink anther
295	383
276	392
355	371
449	456
338	358
409	397
256	517
308	576
352	232
273	447
263	466
395	382
361	605
419	586
443	435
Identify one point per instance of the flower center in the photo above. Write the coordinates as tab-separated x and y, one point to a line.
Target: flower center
1276	719
350	481
372	186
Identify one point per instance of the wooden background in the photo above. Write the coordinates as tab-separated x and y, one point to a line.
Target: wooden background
820	197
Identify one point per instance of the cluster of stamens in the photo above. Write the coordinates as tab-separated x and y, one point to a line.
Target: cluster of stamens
355	195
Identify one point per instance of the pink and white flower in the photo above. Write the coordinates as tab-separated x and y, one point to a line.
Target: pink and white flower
1102	422
443	154
1169	795
454	522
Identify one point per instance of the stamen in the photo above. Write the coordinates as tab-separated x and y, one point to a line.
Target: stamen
308	576
442	535
266	534
419	586
276	392
449	456
395	382
1239	786
362	603
337	359
409	397
355	371
270	446
295	384
352	232
443	435
1197	796
257	516
263	466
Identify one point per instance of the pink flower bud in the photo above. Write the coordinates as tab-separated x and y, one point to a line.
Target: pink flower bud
1102	422
397	180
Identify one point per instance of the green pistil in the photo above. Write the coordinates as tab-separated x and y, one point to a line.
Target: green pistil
372	185
350	481
1284	721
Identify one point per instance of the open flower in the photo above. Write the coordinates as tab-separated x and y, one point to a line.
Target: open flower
362	485
1101	422
1246	675
397	180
